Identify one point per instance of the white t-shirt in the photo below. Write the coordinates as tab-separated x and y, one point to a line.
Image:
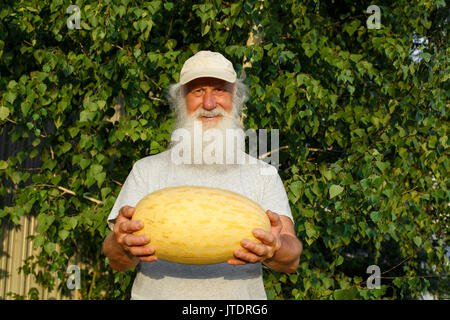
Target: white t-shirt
172	281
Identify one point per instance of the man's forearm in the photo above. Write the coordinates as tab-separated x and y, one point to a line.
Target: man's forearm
119	259
287	258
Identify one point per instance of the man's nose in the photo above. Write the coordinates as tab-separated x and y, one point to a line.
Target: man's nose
209	101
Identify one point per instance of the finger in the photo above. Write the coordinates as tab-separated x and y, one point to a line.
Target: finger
247	256
141	251
127	211
258	249
131	226
265	237
132	240
236	262
151	258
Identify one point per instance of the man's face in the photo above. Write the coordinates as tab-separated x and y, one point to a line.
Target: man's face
208	99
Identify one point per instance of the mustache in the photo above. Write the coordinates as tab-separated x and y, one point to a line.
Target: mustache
200	112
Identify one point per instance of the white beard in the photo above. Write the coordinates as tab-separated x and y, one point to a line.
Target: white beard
204	146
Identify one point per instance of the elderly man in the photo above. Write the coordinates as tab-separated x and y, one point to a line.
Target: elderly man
209	95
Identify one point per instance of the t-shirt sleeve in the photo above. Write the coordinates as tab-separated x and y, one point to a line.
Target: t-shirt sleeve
133	190
275	198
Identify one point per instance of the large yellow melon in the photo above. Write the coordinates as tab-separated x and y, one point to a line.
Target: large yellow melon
198	225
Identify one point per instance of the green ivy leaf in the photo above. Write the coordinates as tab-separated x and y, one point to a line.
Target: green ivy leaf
339	260
335	190
346	294
3	164
63	234
426	56
10	97
206	30
50	247
376	216
296	187
417	240
4	113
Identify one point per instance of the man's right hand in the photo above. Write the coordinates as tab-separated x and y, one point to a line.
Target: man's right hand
133	245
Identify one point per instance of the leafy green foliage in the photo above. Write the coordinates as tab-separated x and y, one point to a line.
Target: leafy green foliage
363	113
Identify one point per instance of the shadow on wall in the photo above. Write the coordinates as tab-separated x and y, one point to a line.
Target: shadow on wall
4	273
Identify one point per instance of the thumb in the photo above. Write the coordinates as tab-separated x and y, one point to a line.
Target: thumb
127	212
274	218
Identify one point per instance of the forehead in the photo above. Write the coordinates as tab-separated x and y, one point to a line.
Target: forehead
208	82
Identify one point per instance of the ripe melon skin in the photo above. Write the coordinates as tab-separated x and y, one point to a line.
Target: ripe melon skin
198	225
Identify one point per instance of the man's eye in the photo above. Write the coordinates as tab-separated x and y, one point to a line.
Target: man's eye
197	92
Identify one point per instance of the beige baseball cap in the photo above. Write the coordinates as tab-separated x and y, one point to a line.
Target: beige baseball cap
207	64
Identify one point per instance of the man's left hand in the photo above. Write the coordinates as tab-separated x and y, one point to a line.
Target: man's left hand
258	252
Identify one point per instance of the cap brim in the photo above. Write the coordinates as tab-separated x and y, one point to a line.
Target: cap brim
212	73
